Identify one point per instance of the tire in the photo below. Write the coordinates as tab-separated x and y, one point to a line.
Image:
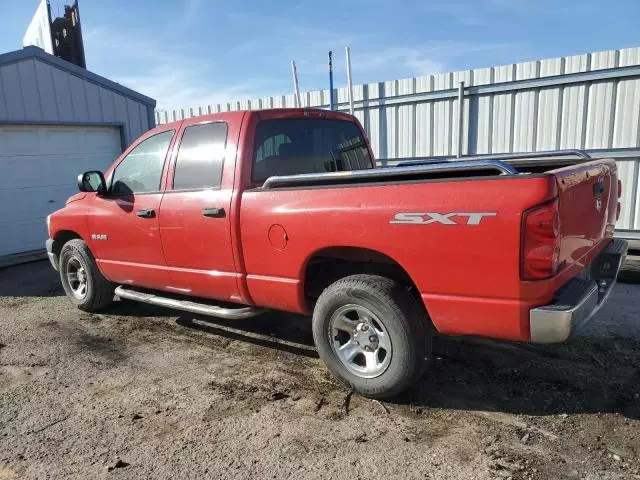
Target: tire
76	257
388	366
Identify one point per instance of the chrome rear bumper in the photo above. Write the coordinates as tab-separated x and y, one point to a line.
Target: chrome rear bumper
576	302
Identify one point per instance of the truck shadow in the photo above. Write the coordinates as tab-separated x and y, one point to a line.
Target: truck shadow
588	375
35	279
296	338
596	373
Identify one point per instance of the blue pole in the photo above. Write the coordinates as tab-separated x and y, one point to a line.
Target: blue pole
330	82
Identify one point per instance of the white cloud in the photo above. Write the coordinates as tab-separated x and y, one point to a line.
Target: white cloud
189	15
175	80
177	89
462	13
518	6
414	59
184	78
419	60
479	13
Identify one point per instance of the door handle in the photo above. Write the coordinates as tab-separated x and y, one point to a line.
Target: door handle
214	212
147	213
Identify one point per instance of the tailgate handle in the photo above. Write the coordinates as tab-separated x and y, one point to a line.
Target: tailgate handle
598	188
213	212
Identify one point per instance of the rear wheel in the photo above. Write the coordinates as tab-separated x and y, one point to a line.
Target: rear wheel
372	334
83	283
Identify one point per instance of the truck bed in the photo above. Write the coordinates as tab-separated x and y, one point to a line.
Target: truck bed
455	228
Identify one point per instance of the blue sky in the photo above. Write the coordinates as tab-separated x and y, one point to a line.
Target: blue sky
194	52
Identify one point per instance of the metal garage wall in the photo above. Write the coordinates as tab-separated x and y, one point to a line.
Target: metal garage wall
38	88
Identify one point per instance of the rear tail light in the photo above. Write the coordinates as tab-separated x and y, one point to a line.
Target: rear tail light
541	241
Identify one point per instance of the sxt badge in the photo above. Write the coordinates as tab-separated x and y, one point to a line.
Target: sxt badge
442	218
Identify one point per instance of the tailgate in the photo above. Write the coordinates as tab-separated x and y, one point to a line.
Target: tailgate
588	202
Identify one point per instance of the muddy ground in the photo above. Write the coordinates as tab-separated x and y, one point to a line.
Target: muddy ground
141	392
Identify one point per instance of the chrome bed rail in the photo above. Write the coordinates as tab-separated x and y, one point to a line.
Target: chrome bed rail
510	157
380	174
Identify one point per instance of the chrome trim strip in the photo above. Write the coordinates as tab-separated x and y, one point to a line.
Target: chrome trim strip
388	172
511	157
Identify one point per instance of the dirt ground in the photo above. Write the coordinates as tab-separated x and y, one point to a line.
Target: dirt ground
140	392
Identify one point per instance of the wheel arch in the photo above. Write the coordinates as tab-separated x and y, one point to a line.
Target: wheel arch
329	264
63	236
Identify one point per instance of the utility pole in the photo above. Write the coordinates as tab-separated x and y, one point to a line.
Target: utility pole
347	51
330	82
296	87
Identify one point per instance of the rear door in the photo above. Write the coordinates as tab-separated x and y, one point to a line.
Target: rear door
195	211
123	223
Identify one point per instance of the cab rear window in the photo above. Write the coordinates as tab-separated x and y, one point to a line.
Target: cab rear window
304	145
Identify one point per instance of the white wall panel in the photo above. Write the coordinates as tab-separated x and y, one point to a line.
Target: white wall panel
599	115
484	116
573	110
627	113
628	174
629	56
503	110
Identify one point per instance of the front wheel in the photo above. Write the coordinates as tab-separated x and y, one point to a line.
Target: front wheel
83	283
372	334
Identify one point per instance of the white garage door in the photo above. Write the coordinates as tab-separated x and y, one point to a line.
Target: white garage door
38	170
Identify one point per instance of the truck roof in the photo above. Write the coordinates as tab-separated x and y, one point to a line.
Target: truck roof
271	113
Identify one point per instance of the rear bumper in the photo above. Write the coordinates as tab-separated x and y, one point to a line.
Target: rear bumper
577	301
53	258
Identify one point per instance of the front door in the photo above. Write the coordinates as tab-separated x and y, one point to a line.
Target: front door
195	213
124	223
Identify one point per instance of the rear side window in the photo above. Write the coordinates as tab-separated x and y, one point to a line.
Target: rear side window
306	145
201	156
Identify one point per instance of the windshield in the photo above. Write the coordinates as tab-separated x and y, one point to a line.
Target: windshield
303	145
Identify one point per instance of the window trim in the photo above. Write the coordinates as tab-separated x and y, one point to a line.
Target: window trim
257	183
110	193
177	146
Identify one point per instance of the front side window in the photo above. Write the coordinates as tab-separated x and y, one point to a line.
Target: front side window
304	145
201	157
141	170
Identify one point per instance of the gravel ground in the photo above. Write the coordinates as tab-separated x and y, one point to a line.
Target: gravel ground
140	392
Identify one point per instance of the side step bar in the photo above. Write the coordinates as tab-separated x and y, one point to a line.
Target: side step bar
187	306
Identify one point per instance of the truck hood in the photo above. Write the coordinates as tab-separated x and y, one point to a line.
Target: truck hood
76	197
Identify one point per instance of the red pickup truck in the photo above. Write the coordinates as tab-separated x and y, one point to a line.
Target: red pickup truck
234	213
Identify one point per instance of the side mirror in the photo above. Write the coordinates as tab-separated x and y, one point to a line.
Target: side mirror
92	182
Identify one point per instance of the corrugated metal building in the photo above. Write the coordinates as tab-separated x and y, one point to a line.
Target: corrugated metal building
589	101
56	120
